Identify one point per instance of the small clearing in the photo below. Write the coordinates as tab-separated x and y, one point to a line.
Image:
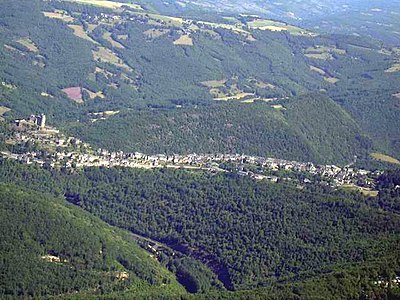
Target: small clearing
52	258
214	83
278	107
74	93
3	110
323	52
234	97
27	43
155	33
385	158
277	26
318	70
364	191
122	37
332	80
108	37
45	94
184	40
11	48
107	56
394	68
80	32
8	85
397	95
60	16
94	95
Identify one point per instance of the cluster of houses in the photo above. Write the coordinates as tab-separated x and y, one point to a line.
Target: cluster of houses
69	152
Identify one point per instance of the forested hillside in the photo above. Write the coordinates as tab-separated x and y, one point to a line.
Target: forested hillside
50	248
252	234
293	130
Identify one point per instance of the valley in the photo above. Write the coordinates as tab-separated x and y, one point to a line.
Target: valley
199	149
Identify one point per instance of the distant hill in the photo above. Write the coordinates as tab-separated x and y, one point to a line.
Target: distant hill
50	248
144	63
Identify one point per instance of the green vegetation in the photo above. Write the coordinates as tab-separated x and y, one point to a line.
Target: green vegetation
311	128
297	236
50	248
128	62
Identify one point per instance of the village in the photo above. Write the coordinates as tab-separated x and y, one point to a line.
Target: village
46	146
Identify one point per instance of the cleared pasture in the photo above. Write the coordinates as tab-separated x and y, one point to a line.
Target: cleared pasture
184	40
107	4
385	158
80	32
27	43
59	16
107	36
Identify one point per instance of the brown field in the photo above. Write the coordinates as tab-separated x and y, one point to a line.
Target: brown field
27	43
74	93
58	15
184	40
114	43
79	32
214	83
155	33
385	158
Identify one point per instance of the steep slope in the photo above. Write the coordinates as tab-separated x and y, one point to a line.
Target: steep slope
50	248
310	127
328	129
264	234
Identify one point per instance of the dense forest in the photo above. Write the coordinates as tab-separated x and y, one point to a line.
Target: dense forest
298	132
50	248
253	234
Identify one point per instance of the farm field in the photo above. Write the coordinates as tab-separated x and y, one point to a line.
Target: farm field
155	33
276	26
385	158
27	43
3	110
74	93
103	54
80	32
107	36
59	15
184	40
107	4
